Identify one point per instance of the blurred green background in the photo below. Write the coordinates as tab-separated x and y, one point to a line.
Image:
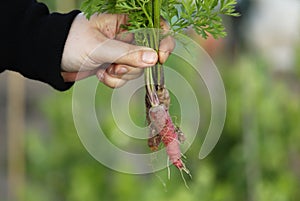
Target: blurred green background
256	158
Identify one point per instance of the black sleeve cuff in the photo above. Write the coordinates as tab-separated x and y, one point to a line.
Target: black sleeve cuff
42	39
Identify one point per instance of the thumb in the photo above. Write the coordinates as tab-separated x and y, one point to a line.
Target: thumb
114	51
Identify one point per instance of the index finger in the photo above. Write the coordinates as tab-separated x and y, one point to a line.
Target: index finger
166	46
114	51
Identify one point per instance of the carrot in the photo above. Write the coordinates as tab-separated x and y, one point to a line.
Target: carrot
154	139
162	123
163	98
162	128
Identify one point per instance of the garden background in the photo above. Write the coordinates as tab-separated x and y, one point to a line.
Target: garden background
258	154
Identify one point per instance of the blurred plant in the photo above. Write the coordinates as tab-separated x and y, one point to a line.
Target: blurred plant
59	168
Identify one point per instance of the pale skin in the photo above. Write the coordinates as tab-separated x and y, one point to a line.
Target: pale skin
96	47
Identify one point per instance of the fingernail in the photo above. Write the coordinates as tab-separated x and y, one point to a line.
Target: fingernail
149	57
121	70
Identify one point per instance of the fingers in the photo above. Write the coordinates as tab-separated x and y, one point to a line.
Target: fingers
114	44
104	42
166	46
113	76
124	72
109	80
117	75
114	51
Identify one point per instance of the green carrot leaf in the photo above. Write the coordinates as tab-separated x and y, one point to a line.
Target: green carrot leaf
204	16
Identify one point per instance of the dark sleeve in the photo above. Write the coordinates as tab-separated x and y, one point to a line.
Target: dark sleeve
32	40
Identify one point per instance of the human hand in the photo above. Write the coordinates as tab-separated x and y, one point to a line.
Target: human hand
96	47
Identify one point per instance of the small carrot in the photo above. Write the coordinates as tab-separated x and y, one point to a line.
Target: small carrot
162	123
163	98
154	139
162	128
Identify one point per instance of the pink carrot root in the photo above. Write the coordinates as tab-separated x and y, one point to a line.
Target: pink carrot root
162	123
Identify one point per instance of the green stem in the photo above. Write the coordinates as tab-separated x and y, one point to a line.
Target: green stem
156	24
156	13
146	14
153	74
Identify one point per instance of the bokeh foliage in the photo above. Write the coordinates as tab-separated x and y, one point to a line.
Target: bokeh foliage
257	155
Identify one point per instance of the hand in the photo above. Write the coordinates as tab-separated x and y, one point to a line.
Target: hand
96	47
